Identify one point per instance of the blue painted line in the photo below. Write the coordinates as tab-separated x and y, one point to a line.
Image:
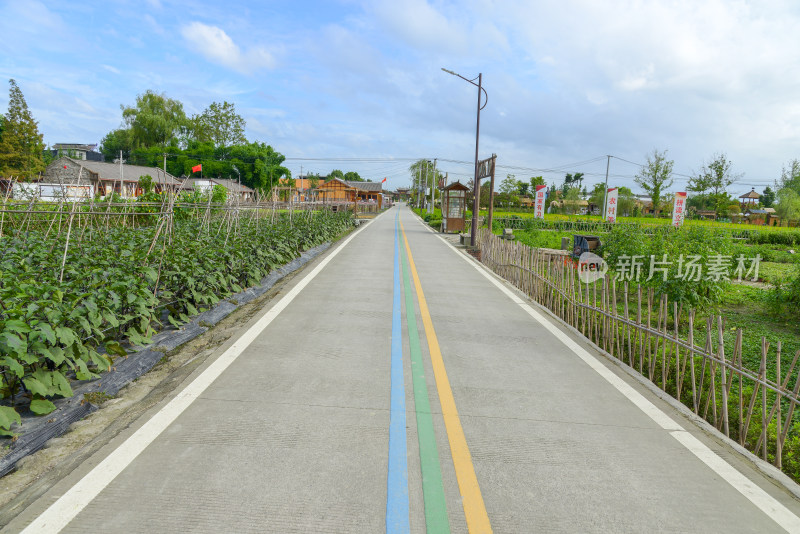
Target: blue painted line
397	479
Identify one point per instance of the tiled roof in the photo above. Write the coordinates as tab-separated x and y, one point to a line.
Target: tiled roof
232	185
751	194
130	173
374	187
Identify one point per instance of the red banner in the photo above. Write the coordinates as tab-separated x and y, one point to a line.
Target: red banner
679	209
197	168
539	201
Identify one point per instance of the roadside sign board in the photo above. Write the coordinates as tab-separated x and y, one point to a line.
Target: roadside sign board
611	204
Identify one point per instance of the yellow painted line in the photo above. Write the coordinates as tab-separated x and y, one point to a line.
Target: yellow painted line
474	509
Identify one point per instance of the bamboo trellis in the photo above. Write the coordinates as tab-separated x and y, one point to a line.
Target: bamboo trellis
715	384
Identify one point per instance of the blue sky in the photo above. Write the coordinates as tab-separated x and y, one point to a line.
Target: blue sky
568	81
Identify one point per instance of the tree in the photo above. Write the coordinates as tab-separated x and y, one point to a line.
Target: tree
422	176
655	176
353	176
155	120
626	202
522	188
114	142
509	185
536	180
598	195
572	201
336	173
788	206
790	177
767	197
21	144
219	124
508	190
712	182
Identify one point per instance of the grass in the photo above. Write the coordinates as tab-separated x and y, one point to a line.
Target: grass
751	309
775	273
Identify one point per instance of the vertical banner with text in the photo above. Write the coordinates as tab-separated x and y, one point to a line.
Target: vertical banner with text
679	209
611	204
539	205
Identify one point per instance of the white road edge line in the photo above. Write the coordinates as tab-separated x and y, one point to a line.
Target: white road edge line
69	505
760	498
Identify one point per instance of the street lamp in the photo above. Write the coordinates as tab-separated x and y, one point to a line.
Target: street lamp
476	184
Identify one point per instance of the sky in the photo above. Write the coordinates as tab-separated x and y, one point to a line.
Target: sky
357	85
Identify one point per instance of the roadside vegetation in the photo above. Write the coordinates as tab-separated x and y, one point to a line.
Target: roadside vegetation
79	285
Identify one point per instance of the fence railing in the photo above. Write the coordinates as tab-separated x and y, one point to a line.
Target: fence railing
688	358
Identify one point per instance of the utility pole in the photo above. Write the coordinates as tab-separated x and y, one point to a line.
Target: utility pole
491	196
416	183
121	161
605	192
421	186
433	185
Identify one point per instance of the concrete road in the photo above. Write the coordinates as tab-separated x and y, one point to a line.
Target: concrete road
396	387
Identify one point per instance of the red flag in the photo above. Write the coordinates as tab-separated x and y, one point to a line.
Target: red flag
383	180
197	168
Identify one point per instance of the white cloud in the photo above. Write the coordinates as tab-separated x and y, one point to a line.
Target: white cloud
640	80
436	28
420	24
217	46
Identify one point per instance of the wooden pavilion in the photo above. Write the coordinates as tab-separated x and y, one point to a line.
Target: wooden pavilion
749	200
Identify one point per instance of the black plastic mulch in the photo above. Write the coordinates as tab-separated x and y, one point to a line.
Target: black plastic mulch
35	430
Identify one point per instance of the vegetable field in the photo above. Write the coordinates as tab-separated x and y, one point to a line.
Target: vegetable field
77	282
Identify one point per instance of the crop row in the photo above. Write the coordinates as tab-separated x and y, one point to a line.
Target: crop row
117	288
753	234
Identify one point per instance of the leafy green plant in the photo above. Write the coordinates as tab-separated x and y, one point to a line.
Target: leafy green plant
56	329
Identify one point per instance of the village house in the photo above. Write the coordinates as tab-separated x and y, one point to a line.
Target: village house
76	151
336	190
236	191
105	178
763	217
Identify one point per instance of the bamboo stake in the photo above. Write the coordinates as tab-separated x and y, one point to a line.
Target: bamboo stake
647	332
788	419
753	398
782	388
723	378
638	331
676	350
617	324
627	329
695	400
764	421
739	368
778	443
706	352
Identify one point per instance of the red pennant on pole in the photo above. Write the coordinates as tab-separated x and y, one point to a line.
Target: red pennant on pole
383	180
197	168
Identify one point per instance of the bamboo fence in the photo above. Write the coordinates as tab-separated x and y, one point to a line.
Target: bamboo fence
685	357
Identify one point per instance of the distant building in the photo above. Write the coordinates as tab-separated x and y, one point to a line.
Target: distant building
749	200
336	190
234	188
76	151
107	177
